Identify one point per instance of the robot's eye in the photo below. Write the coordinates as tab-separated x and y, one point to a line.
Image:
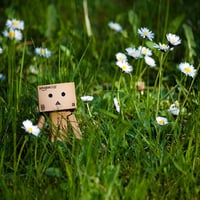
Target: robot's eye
63	94
50	95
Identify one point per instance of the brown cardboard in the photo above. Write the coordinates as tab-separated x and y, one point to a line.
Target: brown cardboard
59	100
55	97
60	128
41	121
75	127
140	85
59	125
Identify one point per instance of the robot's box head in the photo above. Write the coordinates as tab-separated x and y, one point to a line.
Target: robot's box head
54	97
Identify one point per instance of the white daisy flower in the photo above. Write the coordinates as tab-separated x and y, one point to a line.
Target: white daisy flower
187	69
1	50
116	103
30	128
125	66
173	39
150	61
13	34
162	120
174	108
133	52
115	26
145	51
146	33
43	52
121	57
87	98
162	47
15	24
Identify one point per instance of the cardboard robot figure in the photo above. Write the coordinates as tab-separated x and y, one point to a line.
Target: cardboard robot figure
59	101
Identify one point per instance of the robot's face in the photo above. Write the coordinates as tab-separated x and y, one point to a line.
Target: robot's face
56	97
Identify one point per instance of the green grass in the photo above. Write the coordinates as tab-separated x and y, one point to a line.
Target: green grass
124	155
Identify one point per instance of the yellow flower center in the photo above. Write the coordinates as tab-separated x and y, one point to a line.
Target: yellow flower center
144	51
162	46
15	23
42	51
124	67
161	122
121	58
30	129
187	69
12	34
146	33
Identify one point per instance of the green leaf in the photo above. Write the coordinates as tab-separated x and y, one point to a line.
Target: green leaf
51	20
175	24
109	114
133	20
190	42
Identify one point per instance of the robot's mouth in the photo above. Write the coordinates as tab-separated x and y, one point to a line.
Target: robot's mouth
58	103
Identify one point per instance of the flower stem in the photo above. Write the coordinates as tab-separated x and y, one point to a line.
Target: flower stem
88	108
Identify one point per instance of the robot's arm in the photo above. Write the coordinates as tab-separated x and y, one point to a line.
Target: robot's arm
41	122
